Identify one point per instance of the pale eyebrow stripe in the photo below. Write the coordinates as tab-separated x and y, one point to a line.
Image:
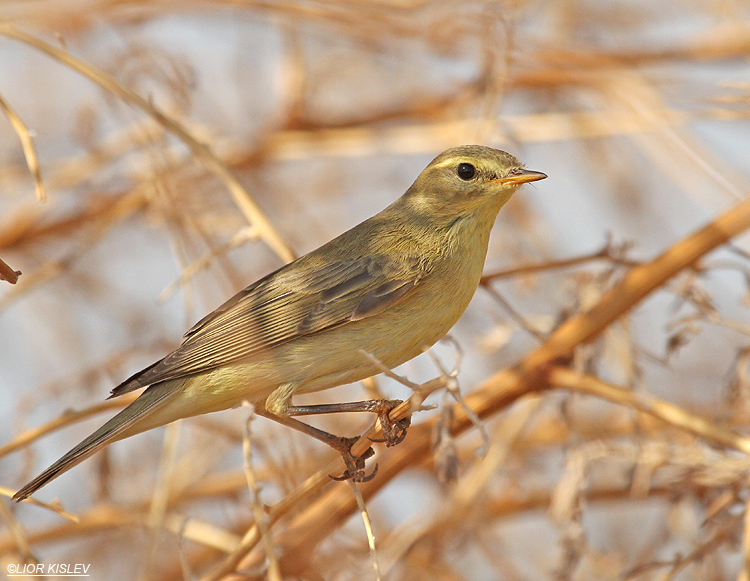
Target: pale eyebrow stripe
452	162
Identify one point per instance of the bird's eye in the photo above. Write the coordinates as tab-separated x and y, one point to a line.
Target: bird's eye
466	171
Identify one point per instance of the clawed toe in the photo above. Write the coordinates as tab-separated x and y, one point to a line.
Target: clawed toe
355	465
357	475
394	432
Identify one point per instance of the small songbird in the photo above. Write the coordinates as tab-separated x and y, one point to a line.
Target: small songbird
390	287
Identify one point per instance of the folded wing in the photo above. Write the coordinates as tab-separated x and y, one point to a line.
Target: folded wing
287	304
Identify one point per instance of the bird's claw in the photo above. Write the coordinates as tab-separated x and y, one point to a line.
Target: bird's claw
355	465
394	432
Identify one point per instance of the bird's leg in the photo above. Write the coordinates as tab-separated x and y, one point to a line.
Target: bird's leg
394	432
355	465
278	408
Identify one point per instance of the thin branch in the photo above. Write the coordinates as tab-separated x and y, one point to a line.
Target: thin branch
65	419
55	507
7	273
368	528
242	198
564	377
745	571
242	236
29	151
124	207
514	314
614	255
260	513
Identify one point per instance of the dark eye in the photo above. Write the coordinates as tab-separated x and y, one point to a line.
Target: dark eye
466	171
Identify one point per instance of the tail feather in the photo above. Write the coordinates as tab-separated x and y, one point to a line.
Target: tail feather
147	403
135	381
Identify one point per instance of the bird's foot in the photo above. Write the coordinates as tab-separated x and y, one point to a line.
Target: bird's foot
394	431
355	465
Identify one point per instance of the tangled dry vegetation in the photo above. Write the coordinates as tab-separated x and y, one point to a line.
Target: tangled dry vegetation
181	150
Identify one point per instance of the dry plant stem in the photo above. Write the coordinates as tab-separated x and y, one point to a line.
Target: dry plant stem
513	313
55	506
157	511
681	562
259	509
244	235
470	488
727	323
745	571
480	474
242	198
606	254
368	527
669	148
30	227
389	372
453	389
419	138
638	283
565	378
8	274
106	517
109	518
125	207
29	151
16	533
332	507
67	418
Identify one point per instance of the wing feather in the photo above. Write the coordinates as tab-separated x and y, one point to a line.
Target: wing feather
289	303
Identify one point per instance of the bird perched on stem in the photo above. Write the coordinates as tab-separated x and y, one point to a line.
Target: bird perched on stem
391	287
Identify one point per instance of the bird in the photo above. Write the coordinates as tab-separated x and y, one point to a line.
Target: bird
390	287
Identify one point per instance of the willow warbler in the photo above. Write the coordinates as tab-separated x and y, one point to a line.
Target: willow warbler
391	287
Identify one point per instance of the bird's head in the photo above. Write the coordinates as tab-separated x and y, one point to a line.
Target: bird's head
469	178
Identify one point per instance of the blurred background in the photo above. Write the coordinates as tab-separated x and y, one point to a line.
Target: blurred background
187	149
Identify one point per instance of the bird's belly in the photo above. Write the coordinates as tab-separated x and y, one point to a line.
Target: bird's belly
337	356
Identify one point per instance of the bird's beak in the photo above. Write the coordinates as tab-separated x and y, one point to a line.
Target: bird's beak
520	176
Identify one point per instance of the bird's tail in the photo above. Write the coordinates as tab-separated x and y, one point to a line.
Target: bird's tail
122	425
